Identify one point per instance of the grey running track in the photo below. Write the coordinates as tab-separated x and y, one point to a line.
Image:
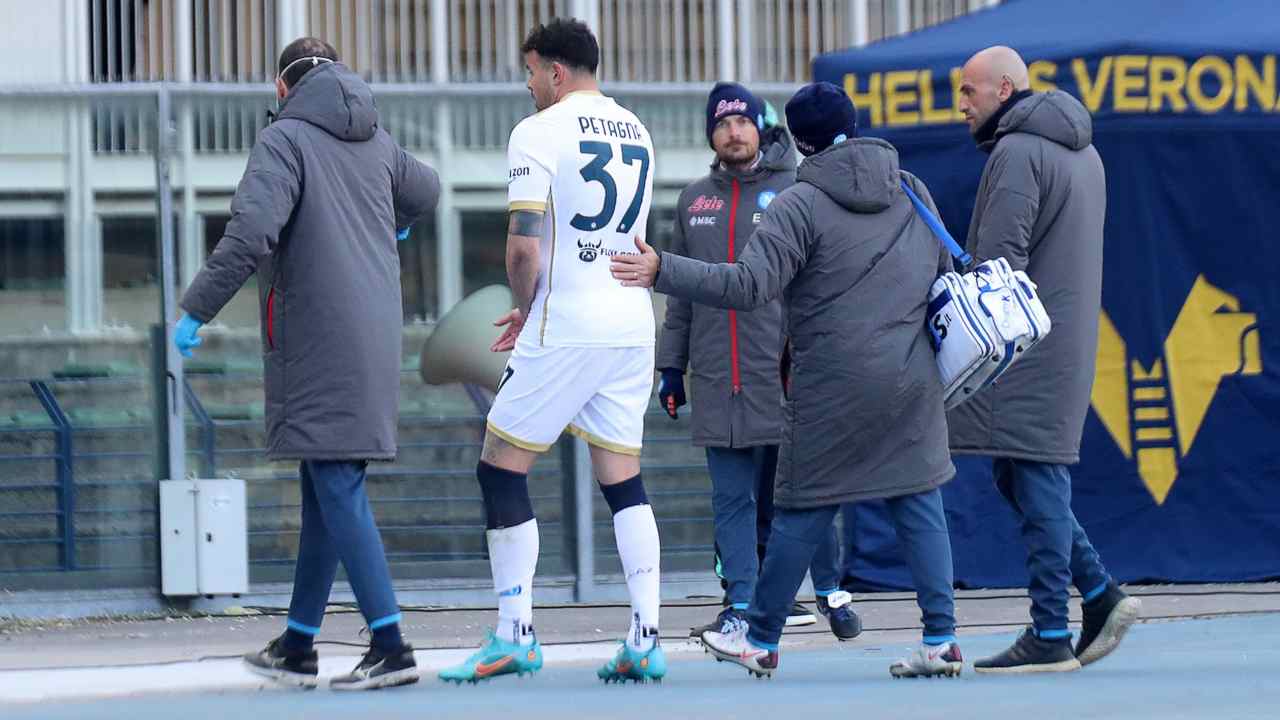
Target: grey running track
1220	668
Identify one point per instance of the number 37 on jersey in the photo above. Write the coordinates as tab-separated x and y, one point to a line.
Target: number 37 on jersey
586	162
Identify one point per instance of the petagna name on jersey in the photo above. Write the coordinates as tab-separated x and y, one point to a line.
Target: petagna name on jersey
610	128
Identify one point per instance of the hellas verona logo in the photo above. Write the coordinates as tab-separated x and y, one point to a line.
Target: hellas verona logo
1153	414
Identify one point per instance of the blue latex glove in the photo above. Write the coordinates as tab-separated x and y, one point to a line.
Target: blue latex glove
402	235
671	391
185	337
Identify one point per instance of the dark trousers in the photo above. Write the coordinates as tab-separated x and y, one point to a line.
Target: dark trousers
1058	550
338	526
742	503
921	525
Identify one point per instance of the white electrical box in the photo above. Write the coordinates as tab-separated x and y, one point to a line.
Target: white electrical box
178	538
204	547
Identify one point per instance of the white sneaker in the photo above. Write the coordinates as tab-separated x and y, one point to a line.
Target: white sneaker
930	661
734	647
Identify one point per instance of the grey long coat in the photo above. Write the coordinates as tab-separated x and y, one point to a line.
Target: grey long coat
1041	205
854	262
702	336
315	215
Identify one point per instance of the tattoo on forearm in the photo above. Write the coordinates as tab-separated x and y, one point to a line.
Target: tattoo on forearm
522	273
525	222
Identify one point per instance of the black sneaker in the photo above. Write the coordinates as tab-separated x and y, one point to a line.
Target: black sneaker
723	623
800	615
837	608
290	668
379	671
1030	654
1106	619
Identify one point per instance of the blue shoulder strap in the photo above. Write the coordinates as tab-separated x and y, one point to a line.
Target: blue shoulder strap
938	228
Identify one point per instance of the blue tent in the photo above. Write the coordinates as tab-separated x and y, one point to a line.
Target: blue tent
1180	471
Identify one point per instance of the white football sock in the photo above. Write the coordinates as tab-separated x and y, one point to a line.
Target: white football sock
513	558
636	533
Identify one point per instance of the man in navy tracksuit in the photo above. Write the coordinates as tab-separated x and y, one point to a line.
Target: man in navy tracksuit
733	357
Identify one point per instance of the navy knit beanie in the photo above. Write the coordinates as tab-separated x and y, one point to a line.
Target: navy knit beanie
729	98
819	115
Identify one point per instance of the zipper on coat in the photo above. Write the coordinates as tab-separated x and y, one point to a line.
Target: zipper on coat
734	372
271	304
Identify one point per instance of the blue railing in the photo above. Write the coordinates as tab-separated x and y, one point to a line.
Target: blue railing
211	452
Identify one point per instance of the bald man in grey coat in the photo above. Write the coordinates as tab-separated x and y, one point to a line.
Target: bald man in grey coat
1041	205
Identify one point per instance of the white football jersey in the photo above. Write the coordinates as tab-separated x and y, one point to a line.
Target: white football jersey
587	163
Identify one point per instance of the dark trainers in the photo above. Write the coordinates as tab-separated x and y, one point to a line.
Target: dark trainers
800	615
723	623
377	670
290	668
837	608
1106	619
1030	654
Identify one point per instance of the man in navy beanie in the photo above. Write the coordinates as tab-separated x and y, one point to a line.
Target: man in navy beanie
864	413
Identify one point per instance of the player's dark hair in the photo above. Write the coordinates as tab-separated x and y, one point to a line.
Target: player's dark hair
304	47
566	41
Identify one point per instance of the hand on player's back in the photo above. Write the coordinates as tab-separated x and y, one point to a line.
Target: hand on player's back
639	270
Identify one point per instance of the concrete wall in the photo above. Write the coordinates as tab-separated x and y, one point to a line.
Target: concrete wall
33	40
33	45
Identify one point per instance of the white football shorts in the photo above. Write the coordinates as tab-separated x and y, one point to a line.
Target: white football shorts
597	393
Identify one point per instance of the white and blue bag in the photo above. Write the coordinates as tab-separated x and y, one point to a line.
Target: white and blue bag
981	322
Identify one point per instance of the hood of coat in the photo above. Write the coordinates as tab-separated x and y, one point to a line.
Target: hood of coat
1054	115
335	99
860	174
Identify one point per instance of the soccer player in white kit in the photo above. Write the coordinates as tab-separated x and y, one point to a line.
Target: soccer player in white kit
580	182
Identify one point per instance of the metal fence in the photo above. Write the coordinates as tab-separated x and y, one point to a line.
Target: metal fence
391	40
677	42
79	494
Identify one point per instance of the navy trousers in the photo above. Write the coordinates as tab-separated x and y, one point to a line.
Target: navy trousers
338	526
1058	550
742	504
921	525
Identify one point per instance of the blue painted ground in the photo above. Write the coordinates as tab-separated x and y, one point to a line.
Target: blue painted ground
1220	669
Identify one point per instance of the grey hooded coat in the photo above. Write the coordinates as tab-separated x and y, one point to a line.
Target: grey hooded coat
1041	205
316	215
853	262
715	342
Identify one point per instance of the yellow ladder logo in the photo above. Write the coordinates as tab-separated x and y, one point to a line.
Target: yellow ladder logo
1154	413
